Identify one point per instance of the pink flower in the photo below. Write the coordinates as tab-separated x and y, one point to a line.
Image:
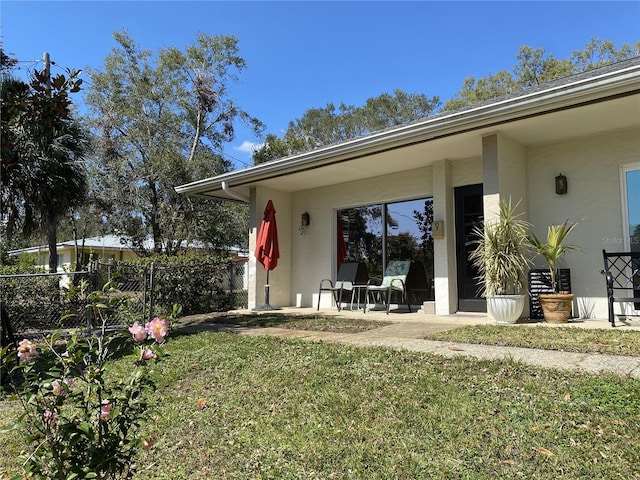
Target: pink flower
27	350
49	418
158	328
147	354
138	332
61	387
58	389
105	409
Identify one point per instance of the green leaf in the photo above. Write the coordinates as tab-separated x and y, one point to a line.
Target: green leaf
12	426
86	428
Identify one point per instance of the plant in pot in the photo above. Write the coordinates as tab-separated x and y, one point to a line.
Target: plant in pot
556	306
502	257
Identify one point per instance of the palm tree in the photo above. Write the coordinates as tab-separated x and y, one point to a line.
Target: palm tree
58	182
45	149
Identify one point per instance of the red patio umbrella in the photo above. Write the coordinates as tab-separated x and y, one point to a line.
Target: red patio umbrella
267	250
341	245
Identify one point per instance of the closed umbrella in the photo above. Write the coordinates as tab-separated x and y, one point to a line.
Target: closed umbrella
341	245
267	250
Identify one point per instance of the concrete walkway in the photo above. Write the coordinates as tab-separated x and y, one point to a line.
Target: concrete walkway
407	332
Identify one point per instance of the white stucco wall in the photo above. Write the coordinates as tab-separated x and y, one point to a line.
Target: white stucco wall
279	279
315	249
591	164
592	167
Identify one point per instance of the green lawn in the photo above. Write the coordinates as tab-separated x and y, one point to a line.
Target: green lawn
569	339
289	409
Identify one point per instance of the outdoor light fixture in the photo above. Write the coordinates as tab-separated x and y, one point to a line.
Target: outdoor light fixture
305	220
561	184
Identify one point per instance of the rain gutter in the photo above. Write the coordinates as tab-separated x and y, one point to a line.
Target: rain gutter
233	194
612	84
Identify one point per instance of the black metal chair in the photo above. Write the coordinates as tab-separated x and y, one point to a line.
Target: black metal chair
349	274
622	272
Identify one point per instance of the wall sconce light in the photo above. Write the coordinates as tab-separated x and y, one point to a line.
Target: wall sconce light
561	185
305	220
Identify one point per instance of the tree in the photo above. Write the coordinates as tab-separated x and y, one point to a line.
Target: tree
43	148
599	53
476	91
159	121
534	68
319	127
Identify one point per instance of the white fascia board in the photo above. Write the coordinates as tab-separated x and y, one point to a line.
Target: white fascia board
591	89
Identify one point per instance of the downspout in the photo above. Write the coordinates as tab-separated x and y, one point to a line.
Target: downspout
236	195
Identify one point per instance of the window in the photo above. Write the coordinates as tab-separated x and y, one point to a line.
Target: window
404	235
631	207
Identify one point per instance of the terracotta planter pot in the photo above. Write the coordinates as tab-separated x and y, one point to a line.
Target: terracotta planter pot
556	307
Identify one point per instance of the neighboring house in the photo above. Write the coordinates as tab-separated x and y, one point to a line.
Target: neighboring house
105	248
109	248
585	128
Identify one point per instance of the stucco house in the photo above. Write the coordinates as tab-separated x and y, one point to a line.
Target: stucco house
457	166
106	248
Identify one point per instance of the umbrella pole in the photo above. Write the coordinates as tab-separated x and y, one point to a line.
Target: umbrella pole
266	292
267	305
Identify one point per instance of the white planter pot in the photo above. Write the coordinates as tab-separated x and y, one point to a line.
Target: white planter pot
505	308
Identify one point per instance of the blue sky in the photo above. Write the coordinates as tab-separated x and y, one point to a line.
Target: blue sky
303	55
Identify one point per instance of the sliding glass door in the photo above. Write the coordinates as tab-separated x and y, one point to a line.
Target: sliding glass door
377	234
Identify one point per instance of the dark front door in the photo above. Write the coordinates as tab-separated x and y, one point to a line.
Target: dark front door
469	213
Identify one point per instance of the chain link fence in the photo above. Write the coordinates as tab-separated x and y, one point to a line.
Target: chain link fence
39	303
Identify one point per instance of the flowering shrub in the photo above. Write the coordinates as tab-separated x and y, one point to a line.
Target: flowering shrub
79	420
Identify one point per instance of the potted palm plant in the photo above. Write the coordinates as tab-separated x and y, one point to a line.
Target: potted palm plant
502	257
556	306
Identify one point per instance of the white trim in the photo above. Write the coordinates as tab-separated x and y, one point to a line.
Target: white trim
591	89
626	233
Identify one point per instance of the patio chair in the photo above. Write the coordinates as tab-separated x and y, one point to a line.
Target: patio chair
394	281
349	274
400	277
622	273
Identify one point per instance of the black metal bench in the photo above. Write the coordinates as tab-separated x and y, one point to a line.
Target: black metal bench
622	272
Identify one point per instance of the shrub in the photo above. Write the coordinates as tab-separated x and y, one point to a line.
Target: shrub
76	419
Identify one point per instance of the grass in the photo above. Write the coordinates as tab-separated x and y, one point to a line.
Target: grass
321	323
288	409
568	339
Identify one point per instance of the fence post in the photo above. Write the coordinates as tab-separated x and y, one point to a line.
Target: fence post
152	275
6	338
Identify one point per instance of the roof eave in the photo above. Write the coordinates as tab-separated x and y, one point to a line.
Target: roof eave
592	89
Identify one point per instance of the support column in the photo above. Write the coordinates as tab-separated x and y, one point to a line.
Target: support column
444	262
504	174
280	277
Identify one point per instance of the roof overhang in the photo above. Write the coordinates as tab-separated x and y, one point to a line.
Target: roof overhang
592	104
